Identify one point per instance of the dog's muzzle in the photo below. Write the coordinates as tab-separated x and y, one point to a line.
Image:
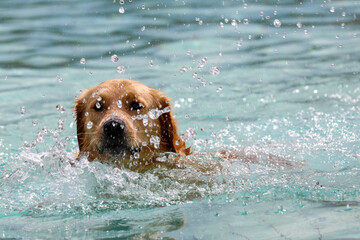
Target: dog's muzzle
114	136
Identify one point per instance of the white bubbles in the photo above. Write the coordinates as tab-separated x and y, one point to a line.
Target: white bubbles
59	78
120	69
82	61
22	110
332	9
99	98
145	120
277	23
155	140
183	69
143	28
154	113
89	125
98	105
202	62
119	103
246	21
299	25
114	58
121	10
234	23
60	108
136	155
214	70
219	89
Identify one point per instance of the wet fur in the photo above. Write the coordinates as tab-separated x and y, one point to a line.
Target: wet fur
164	127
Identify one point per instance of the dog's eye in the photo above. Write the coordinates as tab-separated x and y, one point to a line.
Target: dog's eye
98	107
136	106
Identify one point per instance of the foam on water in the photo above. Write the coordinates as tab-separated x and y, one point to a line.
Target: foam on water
45	179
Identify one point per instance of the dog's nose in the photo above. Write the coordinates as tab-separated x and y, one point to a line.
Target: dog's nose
114	129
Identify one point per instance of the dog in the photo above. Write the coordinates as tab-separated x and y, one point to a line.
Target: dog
127	123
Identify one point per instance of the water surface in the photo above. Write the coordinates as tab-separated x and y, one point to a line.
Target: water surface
272	77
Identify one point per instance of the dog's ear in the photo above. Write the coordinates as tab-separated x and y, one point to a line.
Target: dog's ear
170	140
79	112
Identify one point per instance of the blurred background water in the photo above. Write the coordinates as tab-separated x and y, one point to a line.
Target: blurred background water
279	77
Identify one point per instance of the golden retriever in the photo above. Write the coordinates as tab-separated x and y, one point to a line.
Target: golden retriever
125	122
128	124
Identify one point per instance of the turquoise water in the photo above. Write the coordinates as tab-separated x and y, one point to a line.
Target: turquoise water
266	77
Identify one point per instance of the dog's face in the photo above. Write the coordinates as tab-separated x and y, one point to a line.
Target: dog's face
121	120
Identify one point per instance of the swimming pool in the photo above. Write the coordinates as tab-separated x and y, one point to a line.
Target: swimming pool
273	77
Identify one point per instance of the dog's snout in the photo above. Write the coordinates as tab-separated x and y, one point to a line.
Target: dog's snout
114	129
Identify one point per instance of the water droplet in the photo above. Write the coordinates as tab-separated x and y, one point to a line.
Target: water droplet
86	114
136	155
89	125
98	105
277	23
119	103
187	116
261	14
219	89
122	2
151	63
143	7
200	22
145	120
343	14
59	78
133	45
202	62
155	140
114	58
299	25
154	113
22	110
183	69
143	28
332	9
234	23
246	21
177	143
121	10
120	69
34	123
61	124
82	61
214	70
221	24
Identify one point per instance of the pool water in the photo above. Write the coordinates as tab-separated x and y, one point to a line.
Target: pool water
276	78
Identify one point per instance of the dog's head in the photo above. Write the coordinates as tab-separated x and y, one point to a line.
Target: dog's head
122	119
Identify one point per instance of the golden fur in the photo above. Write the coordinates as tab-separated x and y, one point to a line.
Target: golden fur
144	116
